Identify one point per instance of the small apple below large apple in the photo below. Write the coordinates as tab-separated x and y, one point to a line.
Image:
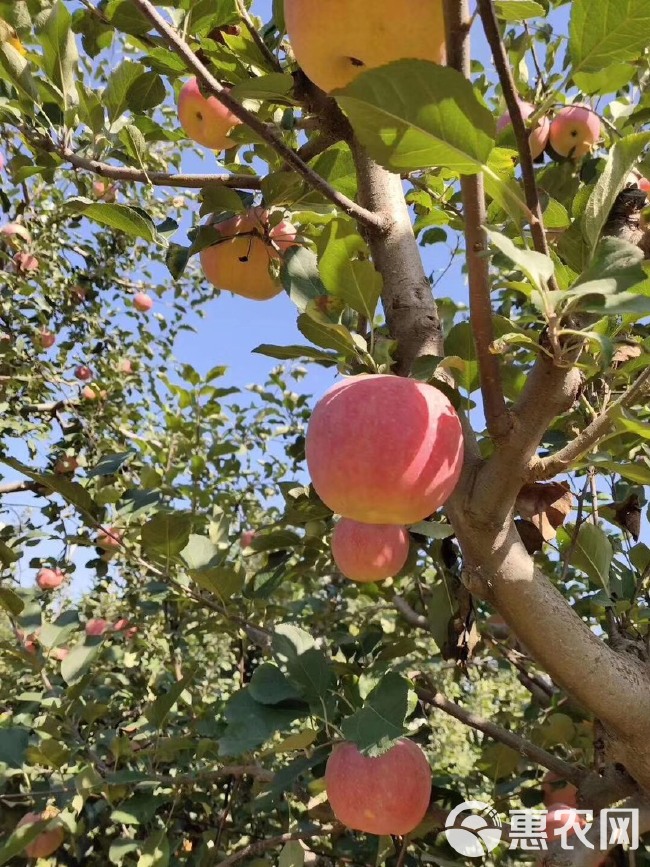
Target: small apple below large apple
384	795
369	552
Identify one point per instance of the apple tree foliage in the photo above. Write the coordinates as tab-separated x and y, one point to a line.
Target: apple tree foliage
516	637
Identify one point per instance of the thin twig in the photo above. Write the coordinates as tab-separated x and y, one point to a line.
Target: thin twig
257	38
522	134
457	17
261	846
268	132
547	468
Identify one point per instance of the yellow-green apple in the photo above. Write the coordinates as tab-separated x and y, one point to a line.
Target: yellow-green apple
45	339
369	552
89	393
206	121
125	366
562	821
50	579
334	41
26	263
241	262
538	138
15	233
574	132
384	449
83	373
46	843
142	302
387	794
104	191
557	791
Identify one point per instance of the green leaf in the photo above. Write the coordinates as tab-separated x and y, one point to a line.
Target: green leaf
110	463
145	93
60	630
292	855
622	157
72	492
200	552
17	70
602	32
300	277
60	56
307	665
413	114
432	529
157	712
250	724
21	837
536	266
286	353
10	601
269	685
13	745
518	10
222	581
156	851
120	82
382	717
131	221
78	661
323	332
166	534
593	554
355	280
275	87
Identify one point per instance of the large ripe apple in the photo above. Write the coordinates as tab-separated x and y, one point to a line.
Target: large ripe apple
388	794
241	262
206	121
369	552
47	842
574	132
334	41
556	791
384	449
538	138
49	579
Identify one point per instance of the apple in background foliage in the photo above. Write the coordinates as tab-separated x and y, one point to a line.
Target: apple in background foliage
50	579
109	539
15	233
563	793
240	263
384	449
28	641
46	843
574	132
104	191
206	121
3	162
26	263
334	41
142	302
97	626
246	538
89	393
385	795
66	464
45	339
83	373
369	552
538	138
125	366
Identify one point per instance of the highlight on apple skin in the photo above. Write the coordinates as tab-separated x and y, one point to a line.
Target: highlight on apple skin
369	552
387	794
538	138
574	132
336	40
240	263
384	449
206	121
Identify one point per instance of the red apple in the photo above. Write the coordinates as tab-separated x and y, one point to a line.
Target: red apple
66	464
384	449
97	626
3	162
206	121
60	653
538	137
109	538
240	262
45	339
369	552
28	641
335	40
83	373
26	263
125	366
46	843
50	579
385	795
104	191
564	794
574	131
246	538
142	302
558	817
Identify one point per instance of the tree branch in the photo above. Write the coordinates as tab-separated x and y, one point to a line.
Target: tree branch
157	179
457	18
547	468
498	733
18	487
522	134
257	39
268	132
262	846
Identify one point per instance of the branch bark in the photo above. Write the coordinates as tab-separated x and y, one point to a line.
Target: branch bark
457	19
547	468
262	846
268	132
